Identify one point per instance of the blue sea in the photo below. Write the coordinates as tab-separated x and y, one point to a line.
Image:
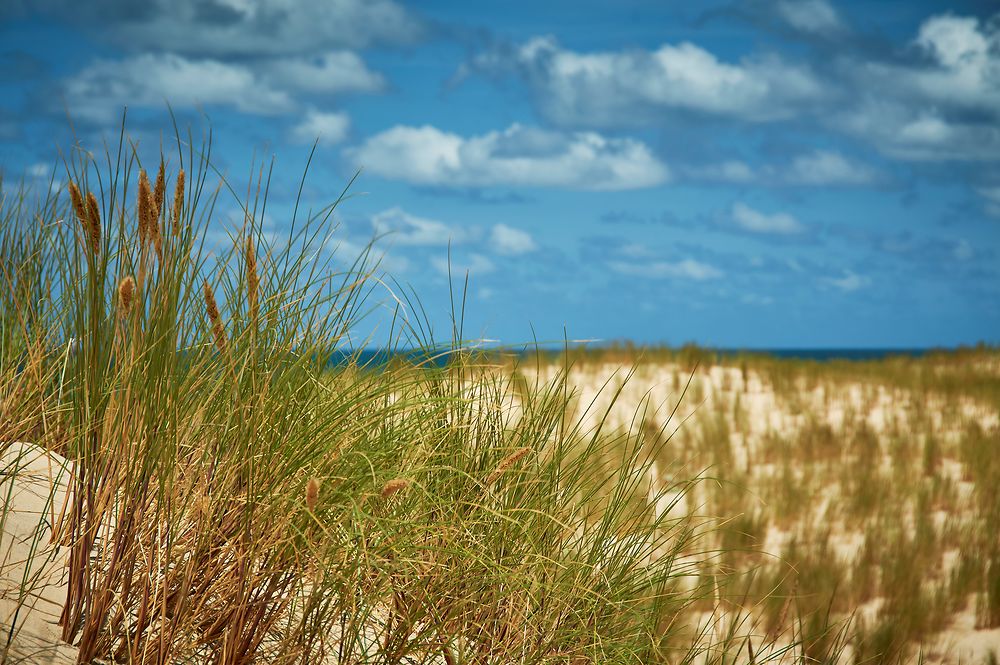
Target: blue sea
377	357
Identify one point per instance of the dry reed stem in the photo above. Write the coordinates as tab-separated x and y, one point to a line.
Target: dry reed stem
506	463
253	280
312	493
218	331
393	486
178	201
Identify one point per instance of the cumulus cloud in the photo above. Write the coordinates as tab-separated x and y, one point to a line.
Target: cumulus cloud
508	240
910	132
402	228
622	87
99	91
327	128
475	264
811	16
517	156
755	221
819	167
967	57
238	27
827	167
683	269
944	106
333	72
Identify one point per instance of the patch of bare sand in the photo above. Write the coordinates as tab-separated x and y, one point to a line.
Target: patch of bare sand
33	483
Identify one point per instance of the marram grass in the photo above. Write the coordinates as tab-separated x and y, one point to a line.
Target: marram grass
189	388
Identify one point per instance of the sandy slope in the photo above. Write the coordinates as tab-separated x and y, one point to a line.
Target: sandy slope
32	569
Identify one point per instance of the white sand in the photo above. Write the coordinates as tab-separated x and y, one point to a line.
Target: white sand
33	484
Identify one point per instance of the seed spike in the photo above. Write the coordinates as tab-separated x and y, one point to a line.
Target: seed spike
143	211
158	190
94	223
218	331
178	201
312	493
506	463
253	280
77	199
393	486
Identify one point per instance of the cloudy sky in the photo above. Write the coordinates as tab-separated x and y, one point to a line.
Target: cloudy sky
757	173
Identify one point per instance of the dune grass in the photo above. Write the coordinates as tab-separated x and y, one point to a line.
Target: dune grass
238	498
234	498
864	492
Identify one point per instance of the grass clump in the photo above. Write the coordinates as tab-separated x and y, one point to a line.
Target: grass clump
237	499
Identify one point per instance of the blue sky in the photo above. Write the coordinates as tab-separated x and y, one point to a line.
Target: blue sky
758	173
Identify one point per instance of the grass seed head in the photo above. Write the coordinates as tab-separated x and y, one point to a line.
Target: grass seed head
506	463
178	201
94	223
149	216
253	280
312	493
77	199
126	294
89	215
393	486
142	207
158	190
215	319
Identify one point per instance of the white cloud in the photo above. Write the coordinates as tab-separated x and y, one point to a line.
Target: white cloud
329	128
623	87
684	269
992	196
907	131
402	228
334	72
517	156
733	171
825	167
476	264
244	27
851	281
968	59
758	222
39	170
511	241
101	89
820	167
813	16
944	107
